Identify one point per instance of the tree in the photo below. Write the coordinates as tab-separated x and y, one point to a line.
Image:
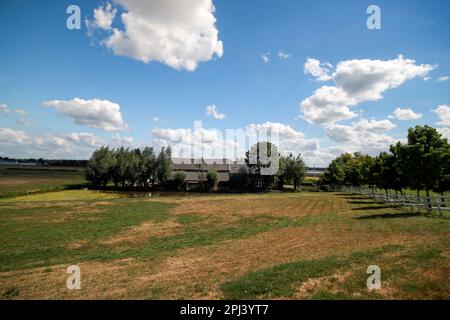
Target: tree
100	166
211	180
240	181
336	171
149	166
263	162
294	170
164	165
423	158
119	171
179	181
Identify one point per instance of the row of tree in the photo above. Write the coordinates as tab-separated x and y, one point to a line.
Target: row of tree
129	167
422	163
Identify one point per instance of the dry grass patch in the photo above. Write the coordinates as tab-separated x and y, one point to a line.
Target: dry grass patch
141	233
211	265
99	280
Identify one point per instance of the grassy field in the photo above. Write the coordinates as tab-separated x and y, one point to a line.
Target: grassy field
19	181
275	246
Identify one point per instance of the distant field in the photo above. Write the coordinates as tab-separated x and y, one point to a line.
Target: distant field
271	246
18	180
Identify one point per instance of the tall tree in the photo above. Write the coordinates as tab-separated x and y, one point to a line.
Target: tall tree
422	158
294	170
100	166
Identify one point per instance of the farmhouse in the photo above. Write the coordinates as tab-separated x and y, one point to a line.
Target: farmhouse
197	169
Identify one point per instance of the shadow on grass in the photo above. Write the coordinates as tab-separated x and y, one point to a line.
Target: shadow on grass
361	202
372	207
390	216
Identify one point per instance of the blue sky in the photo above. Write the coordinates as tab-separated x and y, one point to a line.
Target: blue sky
43	61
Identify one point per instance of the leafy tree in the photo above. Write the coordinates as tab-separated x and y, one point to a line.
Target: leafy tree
294	170
423	158
149	166
164	165
211	180
100	166
240	181
179	181
119	172
263	162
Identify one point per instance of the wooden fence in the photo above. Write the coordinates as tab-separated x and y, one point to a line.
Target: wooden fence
433	203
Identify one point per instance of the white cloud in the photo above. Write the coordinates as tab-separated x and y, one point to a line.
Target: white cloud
283	55
426	78
327	105
214	144
177	33
445	132
443	112
11	136
365	135
213	112
96	113
103	17
405	114
50	146
440	79
358	81
320	71
119	140
4	109
265	57
155	119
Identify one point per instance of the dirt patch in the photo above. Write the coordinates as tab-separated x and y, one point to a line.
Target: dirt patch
19	181
139	234
99	280
212	265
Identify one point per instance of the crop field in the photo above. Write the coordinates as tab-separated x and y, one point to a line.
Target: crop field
250	246
19	181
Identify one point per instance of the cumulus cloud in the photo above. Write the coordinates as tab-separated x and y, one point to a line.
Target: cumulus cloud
103	17
212	111
320	71
327	105
177	33
405	114
96	113
75	145
283	55
358	81
10	136
265	57
365	135
443	112
445	132
214	144
4	109
440	79
119	140
22	112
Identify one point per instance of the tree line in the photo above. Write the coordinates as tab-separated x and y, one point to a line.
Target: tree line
130	168
422	163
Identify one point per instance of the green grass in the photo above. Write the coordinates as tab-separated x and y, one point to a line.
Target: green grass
70	227
16	181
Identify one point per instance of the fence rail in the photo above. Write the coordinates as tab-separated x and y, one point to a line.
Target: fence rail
440	204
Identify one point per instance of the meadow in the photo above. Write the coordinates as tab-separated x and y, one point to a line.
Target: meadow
217	246
16	181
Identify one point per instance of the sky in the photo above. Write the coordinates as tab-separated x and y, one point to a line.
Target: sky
181	73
